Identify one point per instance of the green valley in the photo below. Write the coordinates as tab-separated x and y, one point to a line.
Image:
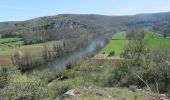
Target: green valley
118	43
86	57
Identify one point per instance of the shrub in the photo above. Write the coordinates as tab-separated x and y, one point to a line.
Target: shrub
61	87
23	87
112	53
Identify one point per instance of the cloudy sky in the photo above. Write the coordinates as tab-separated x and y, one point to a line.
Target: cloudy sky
12	10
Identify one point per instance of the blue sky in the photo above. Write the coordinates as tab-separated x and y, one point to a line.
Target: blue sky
12	10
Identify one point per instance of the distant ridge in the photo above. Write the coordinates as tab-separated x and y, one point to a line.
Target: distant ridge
92	22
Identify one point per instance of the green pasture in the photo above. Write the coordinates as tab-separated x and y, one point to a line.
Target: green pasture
118	42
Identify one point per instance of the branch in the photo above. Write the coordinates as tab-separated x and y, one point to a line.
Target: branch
157	96
142	80
157	88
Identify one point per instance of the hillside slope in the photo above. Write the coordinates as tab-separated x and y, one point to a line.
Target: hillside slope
93	23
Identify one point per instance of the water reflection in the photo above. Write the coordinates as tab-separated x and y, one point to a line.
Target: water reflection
76	55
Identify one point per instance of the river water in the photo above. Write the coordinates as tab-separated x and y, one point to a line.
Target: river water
76	55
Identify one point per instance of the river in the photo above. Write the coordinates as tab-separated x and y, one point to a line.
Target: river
76	55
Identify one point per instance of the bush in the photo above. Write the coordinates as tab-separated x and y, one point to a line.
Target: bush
61	87
141	64
112	53
23	87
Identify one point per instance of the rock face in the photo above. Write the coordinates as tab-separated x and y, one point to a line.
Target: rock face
69	93
64	24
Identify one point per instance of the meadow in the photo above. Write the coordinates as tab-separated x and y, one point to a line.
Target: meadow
8	43
154	40
10	46
34	49
118	43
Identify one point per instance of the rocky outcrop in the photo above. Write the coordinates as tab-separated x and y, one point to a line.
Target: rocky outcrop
64	24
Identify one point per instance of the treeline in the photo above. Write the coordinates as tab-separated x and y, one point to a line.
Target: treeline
10	34
27	61
33	36
41	35
135	33
163	28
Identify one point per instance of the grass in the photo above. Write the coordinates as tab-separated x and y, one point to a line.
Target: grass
10	46
88	85
99	93
34	49
117	46
9	40
154	40
8	43
120	35
119	43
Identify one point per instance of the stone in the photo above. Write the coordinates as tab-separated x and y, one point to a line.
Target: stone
69	93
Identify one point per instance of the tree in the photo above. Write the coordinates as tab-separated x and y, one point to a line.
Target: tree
165	35
135	33
161	58
136	59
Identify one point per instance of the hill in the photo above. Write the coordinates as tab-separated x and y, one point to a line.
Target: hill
94	23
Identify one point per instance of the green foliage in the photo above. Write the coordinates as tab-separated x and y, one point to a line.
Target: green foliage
10	33
3	77
8	43
152	67
154	40
162	28
119	36
117	44
23	87
138	60
47	76
94	73
26	88
9	40
151	41
62	86
161	58
75	39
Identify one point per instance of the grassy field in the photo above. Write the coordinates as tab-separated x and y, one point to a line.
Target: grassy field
8	43
153	40
34	49
118	43
119	35
9	40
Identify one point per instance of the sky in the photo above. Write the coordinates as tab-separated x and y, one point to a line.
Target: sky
18	10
